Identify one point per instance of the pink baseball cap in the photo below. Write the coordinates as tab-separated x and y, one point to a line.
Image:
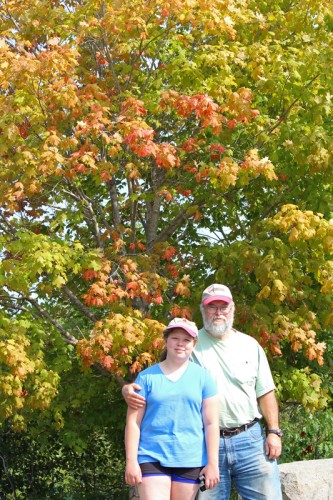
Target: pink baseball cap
216	292
185	324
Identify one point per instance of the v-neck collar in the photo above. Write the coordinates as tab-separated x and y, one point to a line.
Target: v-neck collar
177	379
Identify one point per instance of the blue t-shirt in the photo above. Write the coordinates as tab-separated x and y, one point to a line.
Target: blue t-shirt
172	431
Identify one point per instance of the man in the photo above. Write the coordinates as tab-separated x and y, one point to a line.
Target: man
245	385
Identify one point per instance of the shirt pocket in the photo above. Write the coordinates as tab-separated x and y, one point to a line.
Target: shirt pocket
244	372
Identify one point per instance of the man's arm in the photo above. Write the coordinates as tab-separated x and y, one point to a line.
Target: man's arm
270	411
132	398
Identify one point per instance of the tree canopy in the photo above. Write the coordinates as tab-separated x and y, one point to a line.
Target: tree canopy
149	148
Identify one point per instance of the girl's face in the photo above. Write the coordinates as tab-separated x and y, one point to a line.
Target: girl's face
179	344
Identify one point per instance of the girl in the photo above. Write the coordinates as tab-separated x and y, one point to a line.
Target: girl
175	438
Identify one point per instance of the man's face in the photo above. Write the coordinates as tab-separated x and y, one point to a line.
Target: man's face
218	317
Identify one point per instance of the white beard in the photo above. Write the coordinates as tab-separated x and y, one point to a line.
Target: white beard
217	330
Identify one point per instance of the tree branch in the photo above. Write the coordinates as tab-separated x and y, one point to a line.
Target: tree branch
133	208
174	224
114	202
83	308
287	111
70	339
88	211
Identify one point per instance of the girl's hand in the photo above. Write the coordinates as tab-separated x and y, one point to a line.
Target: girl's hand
133	472
212	475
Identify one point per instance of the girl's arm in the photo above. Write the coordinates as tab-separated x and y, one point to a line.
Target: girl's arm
210	413
132	436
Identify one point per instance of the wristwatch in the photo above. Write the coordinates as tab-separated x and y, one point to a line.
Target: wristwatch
278	432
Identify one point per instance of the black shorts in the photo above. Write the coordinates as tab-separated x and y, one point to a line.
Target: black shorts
179	474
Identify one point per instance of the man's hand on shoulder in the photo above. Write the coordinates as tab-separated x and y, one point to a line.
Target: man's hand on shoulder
132	398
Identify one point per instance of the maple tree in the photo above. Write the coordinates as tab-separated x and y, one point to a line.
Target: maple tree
147	149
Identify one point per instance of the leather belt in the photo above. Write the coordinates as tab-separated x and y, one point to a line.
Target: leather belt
233	431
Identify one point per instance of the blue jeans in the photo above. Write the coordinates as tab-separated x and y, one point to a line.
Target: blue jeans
243	461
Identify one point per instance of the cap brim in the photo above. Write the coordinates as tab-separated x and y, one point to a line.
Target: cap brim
223	298
187	330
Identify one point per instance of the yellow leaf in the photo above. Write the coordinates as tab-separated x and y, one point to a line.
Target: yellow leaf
293	235
264	293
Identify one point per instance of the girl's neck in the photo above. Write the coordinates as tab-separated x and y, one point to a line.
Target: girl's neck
170	366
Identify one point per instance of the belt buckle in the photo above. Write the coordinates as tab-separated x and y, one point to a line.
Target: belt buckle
237	430
230	433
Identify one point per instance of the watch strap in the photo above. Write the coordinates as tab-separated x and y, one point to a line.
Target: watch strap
278	432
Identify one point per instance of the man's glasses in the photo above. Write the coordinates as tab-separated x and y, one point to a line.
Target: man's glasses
223	308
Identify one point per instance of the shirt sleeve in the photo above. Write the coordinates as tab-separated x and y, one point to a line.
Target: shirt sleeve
265	382
141	380
209	386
